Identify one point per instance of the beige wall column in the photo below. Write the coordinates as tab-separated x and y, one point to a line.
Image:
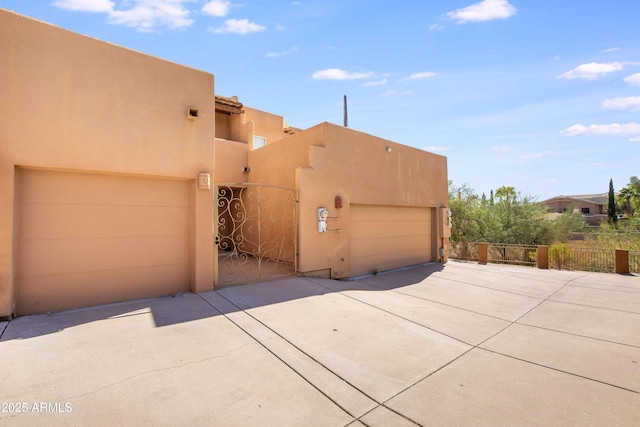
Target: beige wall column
444	233
622	261
7	172
202	238
543	257
483	253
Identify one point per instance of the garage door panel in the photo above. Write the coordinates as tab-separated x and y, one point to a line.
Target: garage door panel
395	257
385	262
88	188
96	221
389	245
376	229
92	288
55	257
386	237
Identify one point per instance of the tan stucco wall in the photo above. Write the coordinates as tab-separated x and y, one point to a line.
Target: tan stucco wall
75	103
223	126
327	161
266	125
561	205
230	159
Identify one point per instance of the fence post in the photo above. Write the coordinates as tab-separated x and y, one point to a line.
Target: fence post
483	253
622	261
543	257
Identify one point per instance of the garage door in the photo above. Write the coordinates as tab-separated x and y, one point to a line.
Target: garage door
86	239
386	237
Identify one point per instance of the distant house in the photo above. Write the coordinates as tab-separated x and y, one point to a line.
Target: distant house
591	206
123	176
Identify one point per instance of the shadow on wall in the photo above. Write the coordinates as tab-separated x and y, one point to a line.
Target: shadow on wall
180	308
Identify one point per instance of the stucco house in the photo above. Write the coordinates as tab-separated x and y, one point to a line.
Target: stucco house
123	176
591	206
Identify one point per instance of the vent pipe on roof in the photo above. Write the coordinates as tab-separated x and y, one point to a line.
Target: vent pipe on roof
346	115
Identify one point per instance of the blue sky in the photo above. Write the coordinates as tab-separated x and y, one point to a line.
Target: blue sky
542	95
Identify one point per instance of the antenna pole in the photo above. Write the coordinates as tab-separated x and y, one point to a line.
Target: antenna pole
346	115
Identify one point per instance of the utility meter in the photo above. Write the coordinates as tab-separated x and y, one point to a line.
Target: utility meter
323	214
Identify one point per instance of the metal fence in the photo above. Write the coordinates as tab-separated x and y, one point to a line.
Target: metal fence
560	256
512	254
463	251
634	261
563	257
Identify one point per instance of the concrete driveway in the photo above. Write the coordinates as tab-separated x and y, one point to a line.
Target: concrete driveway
459	344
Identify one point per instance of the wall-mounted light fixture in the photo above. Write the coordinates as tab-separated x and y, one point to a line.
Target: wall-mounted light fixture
204	181
388	149
246	169
192	113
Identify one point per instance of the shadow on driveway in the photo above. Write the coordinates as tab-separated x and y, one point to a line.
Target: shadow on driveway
187	307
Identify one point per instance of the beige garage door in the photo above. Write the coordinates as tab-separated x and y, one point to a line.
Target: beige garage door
86	239
386	237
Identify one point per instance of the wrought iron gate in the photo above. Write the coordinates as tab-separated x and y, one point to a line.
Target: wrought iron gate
255	233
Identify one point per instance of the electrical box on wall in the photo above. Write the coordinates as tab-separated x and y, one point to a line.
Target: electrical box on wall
323	214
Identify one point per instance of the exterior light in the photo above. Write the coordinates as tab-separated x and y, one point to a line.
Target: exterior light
204	181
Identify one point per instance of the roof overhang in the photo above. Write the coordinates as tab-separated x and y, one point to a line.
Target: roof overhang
226	105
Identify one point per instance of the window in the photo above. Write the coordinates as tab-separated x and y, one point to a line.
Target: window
259	141
586	210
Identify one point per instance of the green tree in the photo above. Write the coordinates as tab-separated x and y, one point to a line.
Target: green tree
518	219
465	212
511	218
628	199
566	224
624	235
611	204
623	200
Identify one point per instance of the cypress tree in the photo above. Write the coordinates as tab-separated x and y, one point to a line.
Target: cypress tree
611	209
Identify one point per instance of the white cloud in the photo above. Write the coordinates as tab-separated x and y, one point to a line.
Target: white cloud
436	27
148	14
612	49
531	156
238	26
486	10
635	139
85	5
374	83
423	75
633	80
217	8
628	103
281	53
338	74
592	70
144	15
614	129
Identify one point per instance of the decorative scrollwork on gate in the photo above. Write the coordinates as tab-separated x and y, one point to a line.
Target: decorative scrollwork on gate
256	232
